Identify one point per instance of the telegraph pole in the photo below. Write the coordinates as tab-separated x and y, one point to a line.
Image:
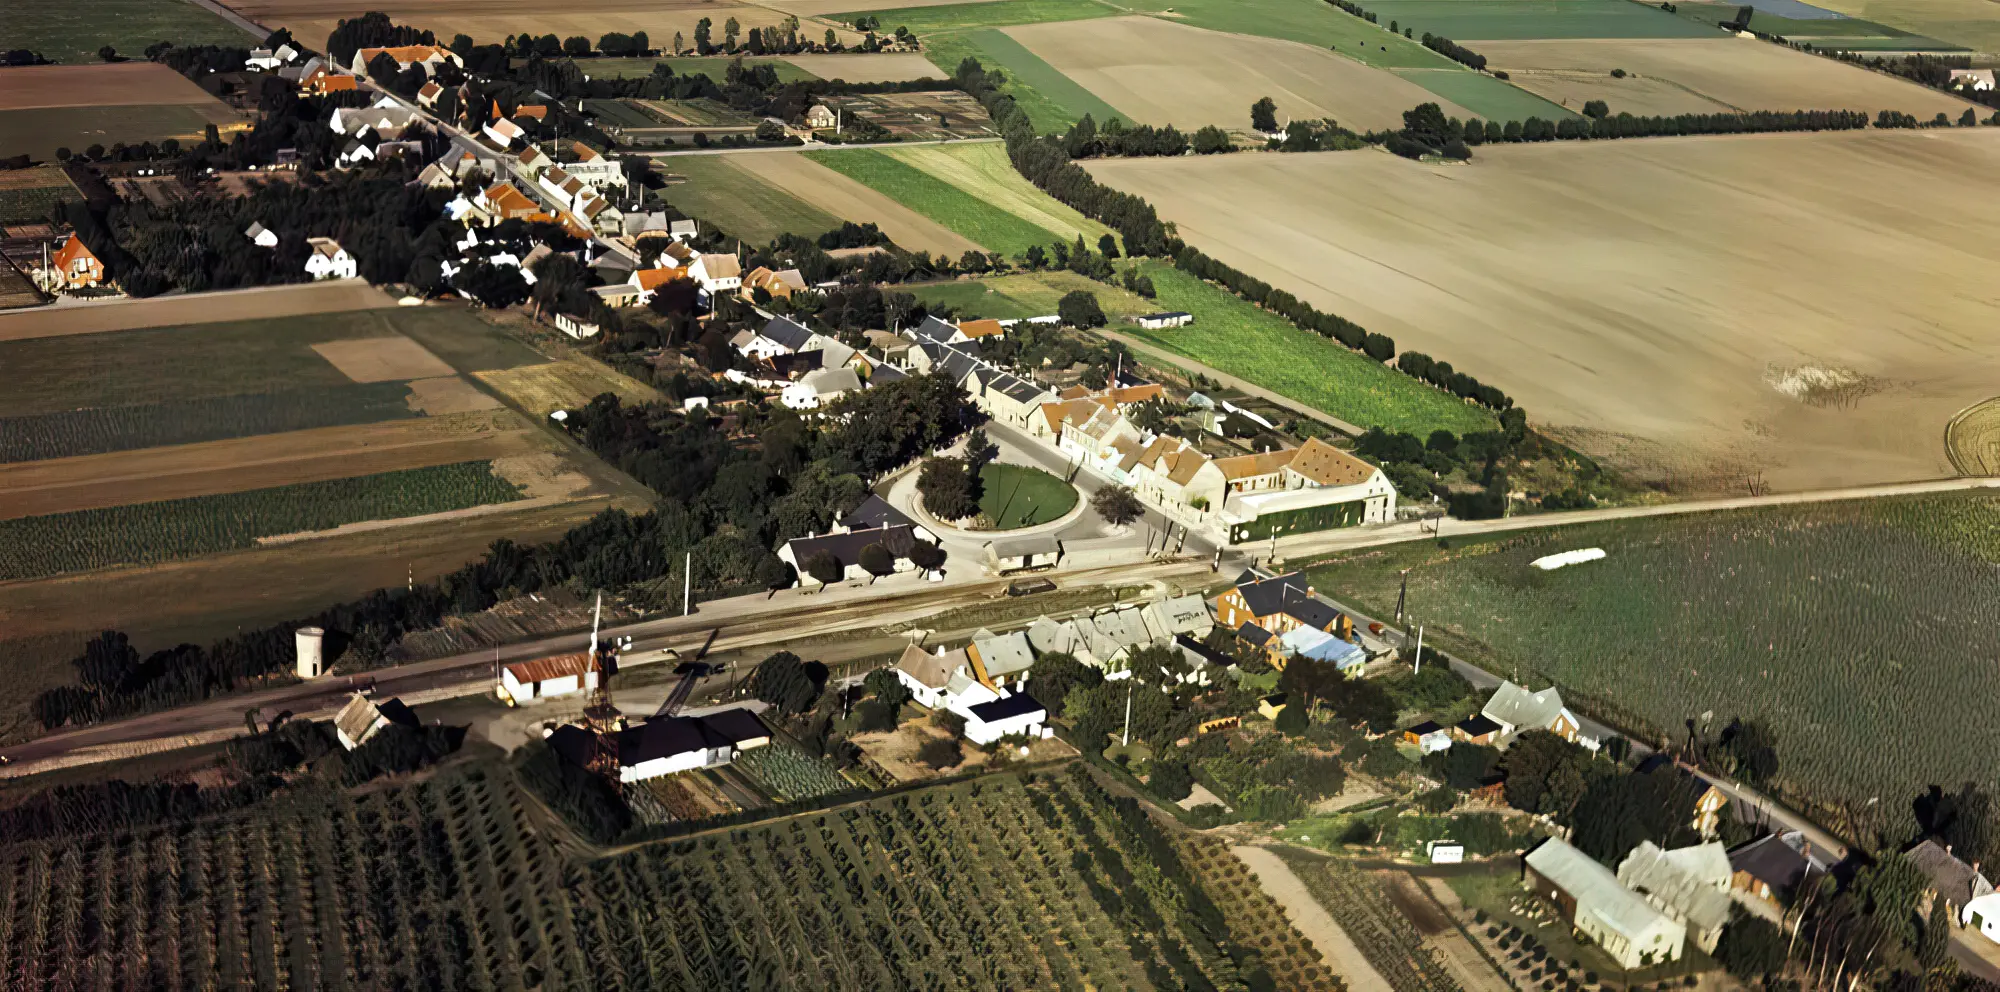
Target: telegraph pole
1420	650
687	585
1402	594
1126	741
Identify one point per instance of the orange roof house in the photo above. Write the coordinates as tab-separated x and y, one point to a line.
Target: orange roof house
973	330
504	202
426	56
74	266
324	82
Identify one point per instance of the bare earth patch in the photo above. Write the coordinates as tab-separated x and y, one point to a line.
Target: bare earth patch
384	359
107	84
1312	919
1633	295
1705	76
448	394
1164	73
846	198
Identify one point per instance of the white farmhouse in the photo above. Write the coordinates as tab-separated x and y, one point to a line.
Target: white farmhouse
779	336
1591	899
1018	714
329	260
929	674
818	388
547	678
717	273
667	745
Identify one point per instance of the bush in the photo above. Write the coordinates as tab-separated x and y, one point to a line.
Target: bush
941	754
1172	780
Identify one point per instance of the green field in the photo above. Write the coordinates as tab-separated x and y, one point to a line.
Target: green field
788	774
620	114
148	533
1315	23
64	32
40	131
740	203
714	67
959	210
1863	631
95	430
1466	20
1238	338
1016	496
1024	294
1490	98
1051	100
927	21
1031	880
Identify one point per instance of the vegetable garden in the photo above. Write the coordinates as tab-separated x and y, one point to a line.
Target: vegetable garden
1011	881
145	533
788	774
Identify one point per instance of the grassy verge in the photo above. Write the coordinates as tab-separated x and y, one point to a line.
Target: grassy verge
1233	336
742	204
146	533
959	210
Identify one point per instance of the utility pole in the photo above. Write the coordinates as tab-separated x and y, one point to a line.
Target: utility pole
687	585
1420	650
1402	594
1126	741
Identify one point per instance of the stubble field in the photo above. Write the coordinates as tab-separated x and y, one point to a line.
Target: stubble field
1158	72
1710	312
103	84
1844	625
1706	76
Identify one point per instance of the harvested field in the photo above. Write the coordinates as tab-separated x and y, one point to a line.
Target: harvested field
1705	76
383	359
242	304
850	200
1051	100
91	482
1159	72
723	190
72	33
1972	439
99	85
834	8
41	131
1490	98
1321	25
448	394
712	66
1665	304
489	20
566	385
869	67
1965	22
1026	294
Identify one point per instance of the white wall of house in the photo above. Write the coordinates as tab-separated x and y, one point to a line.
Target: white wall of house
527	692
982	733
925	696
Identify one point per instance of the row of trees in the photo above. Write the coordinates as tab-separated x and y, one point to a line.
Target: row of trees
1454	51
1085	139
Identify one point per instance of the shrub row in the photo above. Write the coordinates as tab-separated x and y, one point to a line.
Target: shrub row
1454	51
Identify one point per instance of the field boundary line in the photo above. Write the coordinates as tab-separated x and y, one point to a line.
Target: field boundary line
366	526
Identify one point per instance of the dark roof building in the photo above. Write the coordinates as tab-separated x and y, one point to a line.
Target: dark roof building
1477	727
1776	866
787	332
1285	595
875	512
846	548
1018	704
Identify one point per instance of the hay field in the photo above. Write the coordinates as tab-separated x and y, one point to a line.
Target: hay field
103	84
964	211
719	191
1706	75
868	67
1705	312
841	197
1158	72
73	32
488	21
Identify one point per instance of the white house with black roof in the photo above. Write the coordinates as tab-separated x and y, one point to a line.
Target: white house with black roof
779	336
1162	321
875	513
845	547
1018	714
668	745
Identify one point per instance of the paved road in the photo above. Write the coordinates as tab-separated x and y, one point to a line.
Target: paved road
1182	361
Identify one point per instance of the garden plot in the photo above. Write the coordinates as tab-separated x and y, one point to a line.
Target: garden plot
1158	72
1665	304
1706	76
27	194
566	385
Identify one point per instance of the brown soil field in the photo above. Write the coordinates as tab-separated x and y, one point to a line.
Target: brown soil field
101	85
1159	72
1705	76
163	311
1795	311
490	20
121	478
869	67
384	359
197	601
845	198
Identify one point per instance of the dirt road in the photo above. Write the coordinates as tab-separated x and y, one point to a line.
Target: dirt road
1311	918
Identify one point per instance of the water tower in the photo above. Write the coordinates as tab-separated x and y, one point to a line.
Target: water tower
312	653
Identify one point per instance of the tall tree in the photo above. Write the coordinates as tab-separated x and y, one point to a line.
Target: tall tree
1264	115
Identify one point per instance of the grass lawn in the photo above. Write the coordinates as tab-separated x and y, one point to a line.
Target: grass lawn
1314	23
1793	615
72	33
1238	338
1461	20
1490	98
740	203
962	211
1016	496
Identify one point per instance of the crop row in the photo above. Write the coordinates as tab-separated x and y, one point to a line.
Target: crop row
1255	918
97	430
145	533
1386	937
789	774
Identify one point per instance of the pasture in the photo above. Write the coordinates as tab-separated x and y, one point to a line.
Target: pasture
722	192
1489	98
1706	76
1794	615
885	893
1685	309
836	195
1234	336
146	533
1465	20
1016	496
984	171
72	33
1159	72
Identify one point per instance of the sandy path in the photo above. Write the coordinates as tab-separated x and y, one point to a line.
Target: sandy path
122	478
1311	919
843	197
195	308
